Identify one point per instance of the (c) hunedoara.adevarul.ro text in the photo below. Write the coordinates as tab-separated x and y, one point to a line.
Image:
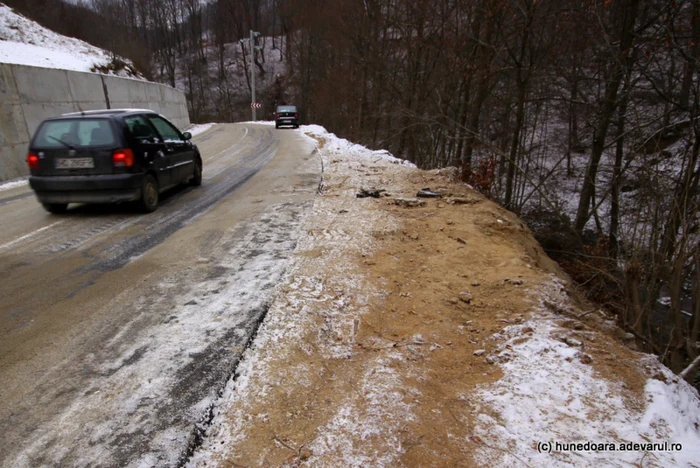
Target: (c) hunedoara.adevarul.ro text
588	446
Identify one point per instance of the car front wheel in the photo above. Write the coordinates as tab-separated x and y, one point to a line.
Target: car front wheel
149	194
196	179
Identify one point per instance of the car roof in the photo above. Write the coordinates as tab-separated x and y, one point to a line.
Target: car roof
106	112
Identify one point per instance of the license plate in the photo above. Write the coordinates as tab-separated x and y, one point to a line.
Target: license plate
75	163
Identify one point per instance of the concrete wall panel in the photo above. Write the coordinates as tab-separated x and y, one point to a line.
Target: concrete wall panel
42	84
14	137
86	89
118	89
34	113
28	95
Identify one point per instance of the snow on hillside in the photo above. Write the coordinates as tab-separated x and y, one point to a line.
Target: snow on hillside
25	42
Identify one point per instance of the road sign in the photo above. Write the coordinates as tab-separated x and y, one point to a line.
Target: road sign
255	105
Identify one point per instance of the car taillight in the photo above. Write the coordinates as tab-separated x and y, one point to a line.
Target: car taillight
32	161
296	115
123	158
278	115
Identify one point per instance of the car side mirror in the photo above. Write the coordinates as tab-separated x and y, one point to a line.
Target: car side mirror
187	136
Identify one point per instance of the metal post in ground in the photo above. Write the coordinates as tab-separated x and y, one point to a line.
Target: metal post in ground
252	72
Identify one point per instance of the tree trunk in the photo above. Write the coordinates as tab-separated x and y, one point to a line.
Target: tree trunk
616	181
515	145
619	64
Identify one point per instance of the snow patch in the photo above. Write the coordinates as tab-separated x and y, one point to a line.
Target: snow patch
14	184
547	394
343	146
371	418
200	128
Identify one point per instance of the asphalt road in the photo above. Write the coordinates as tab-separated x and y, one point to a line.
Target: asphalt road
118	330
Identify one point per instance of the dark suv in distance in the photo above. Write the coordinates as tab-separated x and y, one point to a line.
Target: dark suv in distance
286	115
109	156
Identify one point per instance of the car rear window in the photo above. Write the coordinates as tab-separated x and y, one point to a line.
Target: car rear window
77	132
286	109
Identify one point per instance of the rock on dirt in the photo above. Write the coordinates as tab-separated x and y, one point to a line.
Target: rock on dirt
466	296
427	193
585	358
462	201
409	202
571	341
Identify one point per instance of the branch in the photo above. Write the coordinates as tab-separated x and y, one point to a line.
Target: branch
688	371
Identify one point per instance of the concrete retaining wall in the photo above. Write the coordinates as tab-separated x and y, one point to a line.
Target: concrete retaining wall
28	95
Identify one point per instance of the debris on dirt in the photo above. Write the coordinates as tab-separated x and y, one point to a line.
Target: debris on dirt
461	241
367	193
476	283
514	282
427	193
479	352
409	202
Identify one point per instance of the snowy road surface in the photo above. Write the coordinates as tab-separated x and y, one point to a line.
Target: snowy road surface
117	329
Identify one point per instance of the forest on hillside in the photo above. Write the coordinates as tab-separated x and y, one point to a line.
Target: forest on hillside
579	115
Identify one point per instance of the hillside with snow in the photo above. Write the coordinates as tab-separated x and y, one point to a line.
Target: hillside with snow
25	42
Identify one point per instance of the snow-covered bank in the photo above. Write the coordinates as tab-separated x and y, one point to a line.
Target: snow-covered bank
25	42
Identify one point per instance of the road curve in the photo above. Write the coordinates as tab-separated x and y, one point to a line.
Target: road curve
118	330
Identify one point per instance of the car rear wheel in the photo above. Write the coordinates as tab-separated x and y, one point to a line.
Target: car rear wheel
149	194
196	179
55	208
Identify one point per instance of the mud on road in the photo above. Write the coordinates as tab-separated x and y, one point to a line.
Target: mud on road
117	330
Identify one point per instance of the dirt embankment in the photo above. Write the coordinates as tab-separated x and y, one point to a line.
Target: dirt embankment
393	320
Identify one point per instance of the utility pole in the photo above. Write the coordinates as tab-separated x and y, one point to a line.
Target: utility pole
252	73
253	104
